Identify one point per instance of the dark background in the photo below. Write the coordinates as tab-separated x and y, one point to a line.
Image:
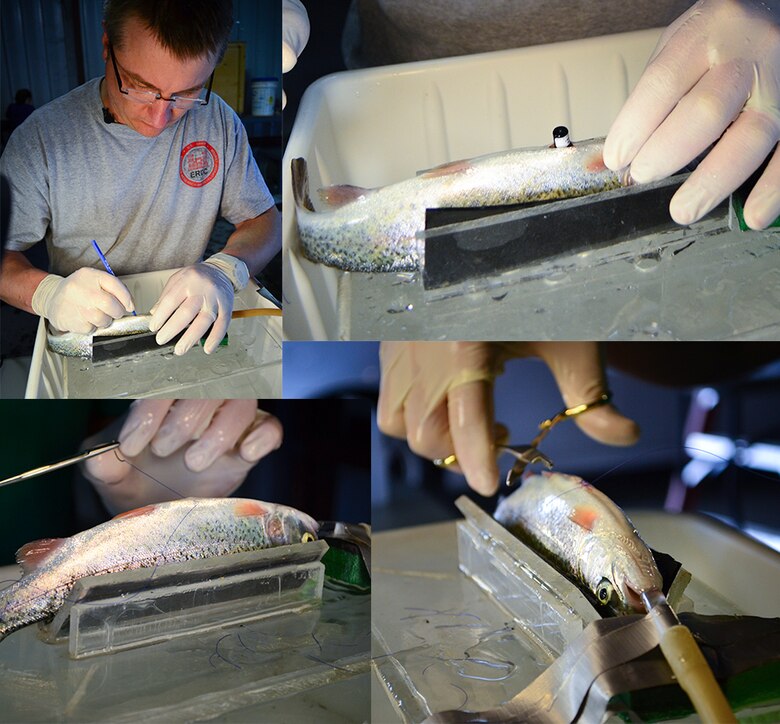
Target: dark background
658	394
322	467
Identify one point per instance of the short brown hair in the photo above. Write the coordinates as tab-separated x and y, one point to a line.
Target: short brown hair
187	28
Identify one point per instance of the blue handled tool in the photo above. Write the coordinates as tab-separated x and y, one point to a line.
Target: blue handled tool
105	263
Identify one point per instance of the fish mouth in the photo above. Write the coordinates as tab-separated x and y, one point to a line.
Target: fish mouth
632	597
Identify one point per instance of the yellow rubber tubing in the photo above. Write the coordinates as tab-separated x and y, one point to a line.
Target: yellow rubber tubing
695	675
261	312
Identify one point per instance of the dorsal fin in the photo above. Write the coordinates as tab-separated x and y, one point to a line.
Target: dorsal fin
33	554
338	196
145	510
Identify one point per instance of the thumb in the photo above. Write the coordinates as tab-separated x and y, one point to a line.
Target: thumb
106	469
579	372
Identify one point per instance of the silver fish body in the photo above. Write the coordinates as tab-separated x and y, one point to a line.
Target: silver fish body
376	231
584	531
73	344
180	530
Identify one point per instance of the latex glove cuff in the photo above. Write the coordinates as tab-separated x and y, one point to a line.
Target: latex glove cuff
43	294
232	267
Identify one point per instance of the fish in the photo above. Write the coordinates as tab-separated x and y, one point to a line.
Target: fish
74	344
587	534
179	530
376	230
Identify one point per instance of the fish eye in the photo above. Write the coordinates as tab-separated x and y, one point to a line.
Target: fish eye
307	537
604	591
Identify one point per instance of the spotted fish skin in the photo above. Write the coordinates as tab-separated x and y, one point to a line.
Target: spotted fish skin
74	344
374	230
180	530
583	529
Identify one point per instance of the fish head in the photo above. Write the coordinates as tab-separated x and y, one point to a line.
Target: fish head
621	597
287	526
628	577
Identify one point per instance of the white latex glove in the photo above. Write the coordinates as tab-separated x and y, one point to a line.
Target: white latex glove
85	300
295	35
439	396
198	296
200	448
716	69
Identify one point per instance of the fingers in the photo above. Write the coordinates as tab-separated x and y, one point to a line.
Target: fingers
119	293
106	469
763	205
218	331
225	428
164	425
440	397
194	299
141	425
87	299
171	298
394	386
738	153
108	300
185	421
264	436
470	409
675	70
179	320
579	373
696	123
216	426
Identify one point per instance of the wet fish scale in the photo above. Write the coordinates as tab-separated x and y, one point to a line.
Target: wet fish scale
73	344
377	231
582	529
181	530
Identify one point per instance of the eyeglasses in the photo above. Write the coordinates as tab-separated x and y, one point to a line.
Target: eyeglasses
149	97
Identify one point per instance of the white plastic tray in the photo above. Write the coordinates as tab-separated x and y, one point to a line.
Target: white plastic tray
427	613
381	125
249	366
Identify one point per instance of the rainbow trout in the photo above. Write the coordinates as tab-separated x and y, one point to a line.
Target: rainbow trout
180	530
74	344
375	230
586	533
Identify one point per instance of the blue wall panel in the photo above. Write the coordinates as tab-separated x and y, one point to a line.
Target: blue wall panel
37	54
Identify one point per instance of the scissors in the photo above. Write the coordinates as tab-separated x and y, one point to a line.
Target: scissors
83	455
528	454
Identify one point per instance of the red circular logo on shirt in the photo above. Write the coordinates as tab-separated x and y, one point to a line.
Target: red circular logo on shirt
199	164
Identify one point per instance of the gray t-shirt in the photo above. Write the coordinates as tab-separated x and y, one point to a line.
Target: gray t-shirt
150	203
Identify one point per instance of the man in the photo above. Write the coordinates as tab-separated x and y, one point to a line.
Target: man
143	161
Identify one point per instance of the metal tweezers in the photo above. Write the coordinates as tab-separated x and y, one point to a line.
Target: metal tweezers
97	450
527	454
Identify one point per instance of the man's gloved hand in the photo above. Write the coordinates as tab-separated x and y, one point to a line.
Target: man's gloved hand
198	296
716	69
295	35
439	396
82	302
200	448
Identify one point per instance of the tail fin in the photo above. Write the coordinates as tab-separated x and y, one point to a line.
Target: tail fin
300	184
